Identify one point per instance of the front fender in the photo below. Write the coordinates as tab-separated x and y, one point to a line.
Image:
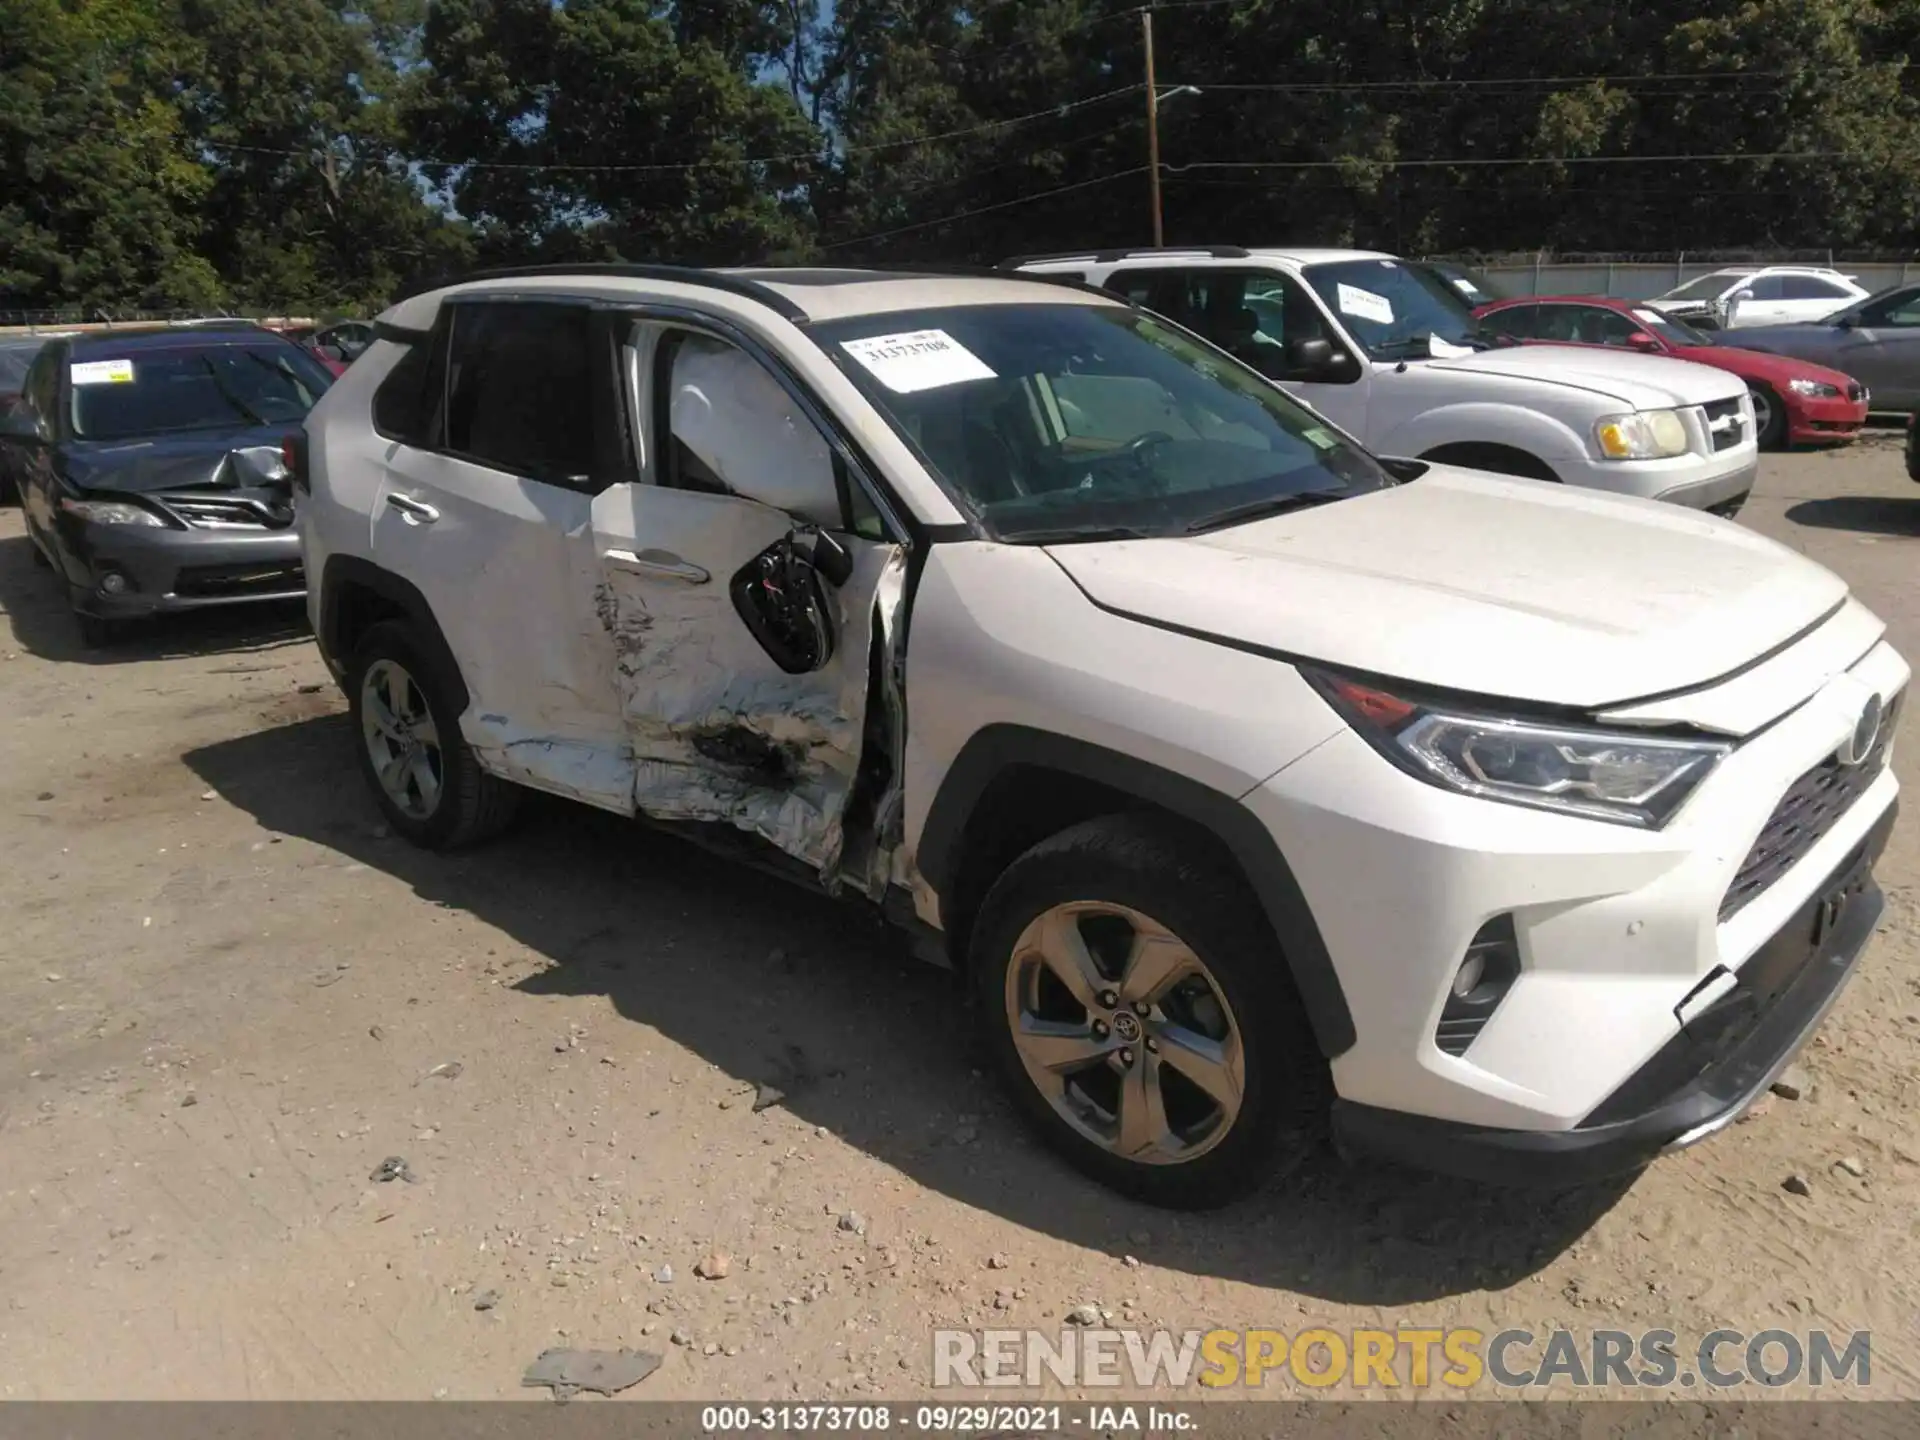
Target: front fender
1483	423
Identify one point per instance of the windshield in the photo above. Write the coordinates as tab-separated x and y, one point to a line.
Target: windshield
1707	287
1056	422
1396	311
192	387
1674	332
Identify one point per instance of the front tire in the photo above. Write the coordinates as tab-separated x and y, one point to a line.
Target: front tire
431	788
1769	417
1142	1017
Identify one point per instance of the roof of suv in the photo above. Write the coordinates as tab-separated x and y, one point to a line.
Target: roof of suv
800	294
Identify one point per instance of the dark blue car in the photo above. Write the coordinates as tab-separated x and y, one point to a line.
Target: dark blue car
150	467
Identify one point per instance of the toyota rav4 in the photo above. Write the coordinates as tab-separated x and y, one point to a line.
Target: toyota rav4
1256	787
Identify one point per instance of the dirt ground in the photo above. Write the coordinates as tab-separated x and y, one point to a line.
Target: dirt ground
226	996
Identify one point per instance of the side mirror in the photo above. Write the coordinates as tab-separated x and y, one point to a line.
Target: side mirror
18	422
1316	359
1740	297
1848	322
1641	340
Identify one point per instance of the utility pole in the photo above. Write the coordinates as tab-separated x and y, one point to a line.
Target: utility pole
1153	128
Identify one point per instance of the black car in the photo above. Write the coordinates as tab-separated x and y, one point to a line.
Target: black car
151	467
16	357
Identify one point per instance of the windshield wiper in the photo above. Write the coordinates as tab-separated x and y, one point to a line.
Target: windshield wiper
227	393
1067	534
1261	509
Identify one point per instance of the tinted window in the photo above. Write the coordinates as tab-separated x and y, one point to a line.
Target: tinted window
1585	324
1809	287
1058	421
1705	287
154	390
1251	314
401	406
1520	322
1766	287
520	389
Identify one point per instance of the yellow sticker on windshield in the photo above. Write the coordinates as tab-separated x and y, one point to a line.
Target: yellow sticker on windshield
102	372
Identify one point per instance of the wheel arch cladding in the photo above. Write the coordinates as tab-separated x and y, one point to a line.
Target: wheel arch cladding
1008	772
1492	457
357	595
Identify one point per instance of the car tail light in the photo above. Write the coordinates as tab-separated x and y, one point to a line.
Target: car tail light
293	454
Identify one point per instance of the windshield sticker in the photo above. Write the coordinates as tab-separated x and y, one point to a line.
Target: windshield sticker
1445	349
1320	439
917	360
1364	304
1648	317
102	372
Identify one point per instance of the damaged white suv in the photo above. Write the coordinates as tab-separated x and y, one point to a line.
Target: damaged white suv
1252	784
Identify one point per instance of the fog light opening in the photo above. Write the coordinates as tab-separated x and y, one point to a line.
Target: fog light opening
1485	974
115	583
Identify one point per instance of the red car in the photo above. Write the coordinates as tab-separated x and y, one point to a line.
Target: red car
1794	402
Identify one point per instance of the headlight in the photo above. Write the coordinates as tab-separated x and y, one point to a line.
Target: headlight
111	512
1643	435
1817	388
1619	776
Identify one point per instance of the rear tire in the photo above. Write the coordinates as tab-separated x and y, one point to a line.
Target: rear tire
1142	902
433	791
1769	417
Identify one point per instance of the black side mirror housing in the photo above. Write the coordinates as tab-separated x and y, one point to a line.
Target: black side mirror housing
19	422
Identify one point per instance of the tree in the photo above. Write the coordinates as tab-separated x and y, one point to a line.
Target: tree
602	129
100	190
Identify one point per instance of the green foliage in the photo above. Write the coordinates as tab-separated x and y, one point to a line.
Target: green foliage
319	154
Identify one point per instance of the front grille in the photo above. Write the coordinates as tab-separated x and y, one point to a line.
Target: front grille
236	582
230	512
1724	424
1805	813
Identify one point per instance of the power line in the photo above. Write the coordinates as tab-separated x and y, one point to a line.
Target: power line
1475	162
985	209
1353	86
543	167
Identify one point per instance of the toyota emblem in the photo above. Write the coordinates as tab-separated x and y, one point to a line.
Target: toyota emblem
1866	732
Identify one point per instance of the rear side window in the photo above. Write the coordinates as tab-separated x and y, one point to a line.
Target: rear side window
1520	322
1810	287
520	388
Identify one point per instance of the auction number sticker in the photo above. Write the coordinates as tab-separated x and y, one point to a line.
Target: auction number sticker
1364	304
102	372
917	360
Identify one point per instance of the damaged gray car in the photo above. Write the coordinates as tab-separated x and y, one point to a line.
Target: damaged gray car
152	468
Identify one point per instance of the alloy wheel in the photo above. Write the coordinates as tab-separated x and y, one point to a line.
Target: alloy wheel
402	740
1125	1032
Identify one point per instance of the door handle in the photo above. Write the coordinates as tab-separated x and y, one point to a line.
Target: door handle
659	564
417	511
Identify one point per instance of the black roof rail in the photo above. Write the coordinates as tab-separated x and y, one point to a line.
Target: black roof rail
681	274
1107	257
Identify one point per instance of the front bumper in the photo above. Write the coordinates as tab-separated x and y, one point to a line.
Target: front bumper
1719	482
1813	419
1701	1081
1616	931
167	570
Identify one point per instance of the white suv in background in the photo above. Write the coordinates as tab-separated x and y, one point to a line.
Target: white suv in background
1248	782
1388	351
1743	295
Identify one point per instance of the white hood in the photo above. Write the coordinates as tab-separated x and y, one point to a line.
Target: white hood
1639	382
1462	581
